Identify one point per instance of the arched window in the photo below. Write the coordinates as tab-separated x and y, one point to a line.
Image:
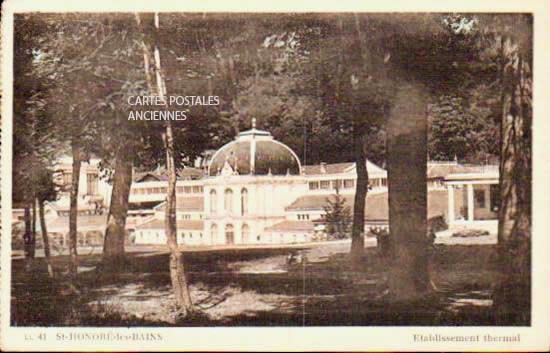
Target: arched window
213	232
213	201
229	235
244	202
245	230
228	200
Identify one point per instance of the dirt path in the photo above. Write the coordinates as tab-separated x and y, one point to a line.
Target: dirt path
258	286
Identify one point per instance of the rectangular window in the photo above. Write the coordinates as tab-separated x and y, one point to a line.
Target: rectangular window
337	184
164	190
384	182
91	183
188	189
313	185
325	184
179	189
349	183
196	189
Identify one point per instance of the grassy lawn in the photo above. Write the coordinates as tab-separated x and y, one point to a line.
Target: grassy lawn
256	286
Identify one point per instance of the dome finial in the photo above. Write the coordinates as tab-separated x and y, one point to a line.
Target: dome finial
253	123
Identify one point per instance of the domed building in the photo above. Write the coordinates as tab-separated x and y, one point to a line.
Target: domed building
251	181
255	152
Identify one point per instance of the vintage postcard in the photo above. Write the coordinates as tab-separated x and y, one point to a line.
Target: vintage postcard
286	176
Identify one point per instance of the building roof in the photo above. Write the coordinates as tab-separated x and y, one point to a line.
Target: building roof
183	204
255	152
190	173
149	176
144	205
443	169
336	168
289	226
156	223
489	175
376	206
187	173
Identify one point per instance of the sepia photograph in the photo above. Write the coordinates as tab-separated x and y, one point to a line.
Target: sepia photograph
270	169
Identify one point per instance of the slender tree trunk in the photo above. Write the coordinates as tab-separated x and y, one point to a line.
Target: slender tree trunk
407	154
361	189
177	274
150	28
359	128
45	239
33	230
27	238
113	246
513	292
73	241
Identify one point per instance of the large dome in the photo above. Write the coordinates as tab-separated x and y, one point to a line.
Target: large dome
254	152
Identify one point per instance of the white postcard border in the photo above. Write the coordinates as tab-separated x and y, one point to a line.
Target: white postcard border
293	338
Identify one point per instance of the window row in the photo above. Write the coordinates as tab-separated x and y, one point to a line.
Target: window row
344	184
303	217
197	189
332	184
230	233
228	201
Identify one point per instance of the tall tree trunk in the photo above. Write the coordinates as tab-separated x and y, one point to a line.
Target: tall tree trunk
513	292
361	189
150	29
359	128
113	246
407	154
73	212
177	274
45	238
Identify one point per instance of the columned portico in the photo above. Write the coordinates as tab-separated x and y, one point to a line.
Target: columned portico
475	198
